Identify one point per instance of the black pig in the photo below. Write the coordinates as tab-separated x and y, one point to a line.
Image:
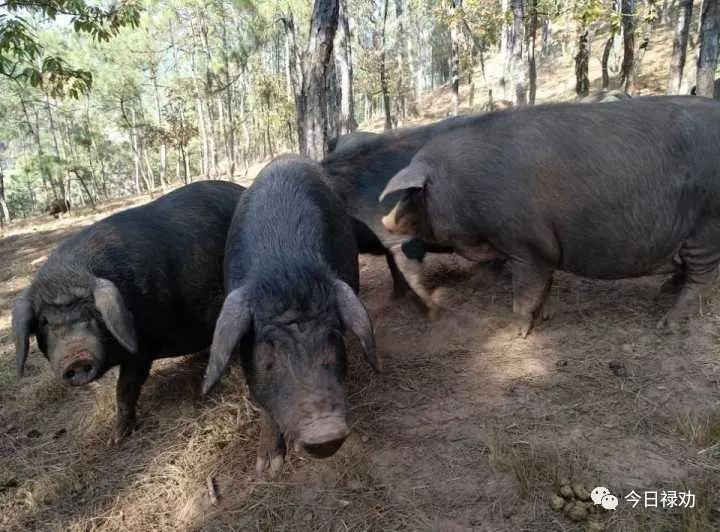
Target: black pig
357	169
291	275
139	285
602	191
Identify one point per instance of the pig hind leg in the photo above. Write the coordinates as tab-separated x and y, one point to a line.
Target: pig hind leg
271	447
132	377
531	283
700	256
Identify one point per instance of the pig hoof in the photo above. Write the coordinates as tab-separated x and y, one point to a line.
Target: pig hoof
269	466
123	429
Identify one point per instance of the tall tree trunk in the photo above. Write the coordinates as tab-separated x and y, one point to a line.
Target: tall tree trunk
136	150
680	41
628	24
294	69
532	67
383	70
506	45
605	58
582	61
229	124
519	65
312	105
455	6
202	126
158	107
333	100
103	171
343	54
708	48
402	62
64	193
3	203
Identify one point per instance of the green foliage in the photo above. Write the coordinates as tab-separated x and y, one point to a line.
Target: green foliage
588	11
20	49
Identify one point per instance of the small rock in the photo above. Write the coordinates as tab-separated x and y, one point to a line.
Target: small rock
594	526
566	491
34	433
618	368
577	512
557	503
580	492
564	481
355	485
365	438
308	517
627	348
567	507
9	483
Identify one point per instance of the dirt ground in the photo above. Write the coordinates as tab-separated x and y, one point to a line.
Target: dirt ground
468	428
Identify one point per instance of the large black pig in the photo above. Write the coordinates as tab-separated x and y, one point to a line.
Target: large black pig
291	276
357	169
139	285
602	191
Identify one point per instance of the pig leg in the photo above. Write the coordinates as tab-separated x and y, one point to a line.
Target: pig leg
132	377
400	285
271	447
701	259
531	284
412	270
673	285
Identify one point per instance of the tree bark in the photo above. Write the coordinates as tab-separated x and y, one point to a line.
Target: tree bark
229	124
519	65
163	146
680	41
582	61
506	44
3	203
708	49
455	7
605	58
343	54
383	70
403	71
333	100
311	105
628	24
532	67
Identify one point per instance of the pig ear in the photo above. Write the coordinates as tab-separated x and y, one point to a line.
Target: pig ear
24	323
354	317
413	176
232	324
116	316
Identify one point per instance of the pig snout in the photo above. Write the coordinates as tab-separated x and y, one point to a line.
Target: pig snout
79	368
322	437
